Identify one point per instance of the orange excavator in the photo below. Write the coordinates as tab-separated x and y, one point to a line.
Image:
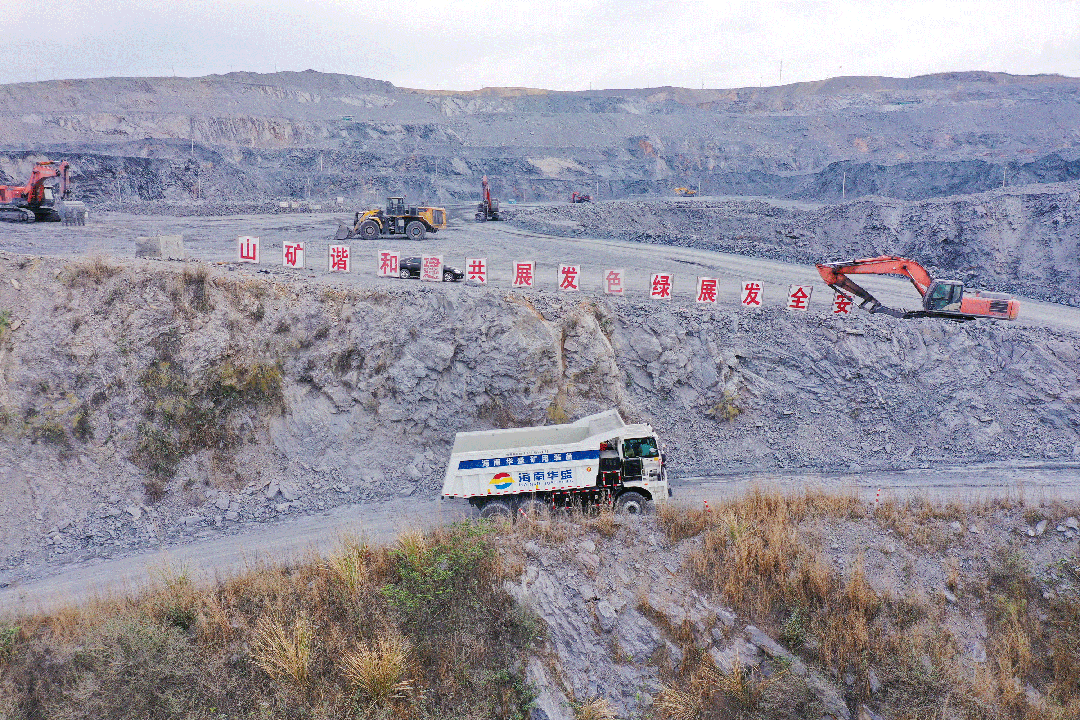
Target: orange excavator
39	199
941	298
488	208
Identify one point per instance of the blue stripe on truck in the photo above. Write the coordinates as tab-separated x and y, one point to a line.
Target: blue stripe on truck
543	458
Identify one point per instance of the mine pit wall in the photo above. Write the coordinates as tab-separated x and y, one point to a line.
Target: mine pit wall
1025	241
156	382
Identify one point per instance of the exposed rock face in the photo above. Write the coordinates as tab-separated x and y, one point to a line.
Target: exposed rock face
251	137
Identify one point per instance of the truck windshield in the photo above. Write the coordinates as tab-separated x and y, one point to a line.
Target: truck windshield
640	448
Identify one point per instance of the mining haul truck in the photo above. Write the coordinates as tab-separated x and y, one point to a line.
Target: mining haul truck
595	461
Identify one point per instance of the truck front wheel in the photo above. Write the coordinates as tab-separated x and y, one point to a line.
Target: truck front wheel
495	510
632	502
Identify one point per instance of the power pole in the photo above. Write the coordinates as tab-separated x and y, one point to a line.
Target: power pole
781	73
843	186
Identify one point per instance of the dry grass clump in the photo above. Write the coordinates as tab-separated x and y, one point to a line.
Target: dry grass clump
707	693
595	709
90	271
282	652
420	630
380	673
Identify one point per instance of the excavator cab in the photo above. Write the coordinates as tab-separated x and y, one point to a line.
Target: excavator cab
944	296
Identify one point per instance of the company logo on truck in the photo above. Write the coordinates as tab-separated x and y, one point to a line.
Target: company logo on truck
501	481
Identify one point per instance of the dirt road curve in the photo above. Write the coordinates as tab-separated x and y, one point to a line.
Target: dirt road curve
381	521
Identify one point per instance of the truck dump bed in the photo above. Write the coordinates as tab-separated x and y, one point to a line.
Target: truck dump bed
536	459
605	423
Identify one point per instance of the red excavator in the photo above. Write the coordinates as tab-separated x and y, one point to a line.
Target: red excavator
488	208
941	298
38	200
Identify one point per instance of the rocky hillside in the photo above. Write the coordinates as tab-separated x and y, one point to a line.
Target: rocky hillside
245	136
1025	240
177	397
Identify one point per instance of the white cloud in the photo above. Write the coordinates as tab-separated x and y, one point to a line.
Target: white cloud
559	44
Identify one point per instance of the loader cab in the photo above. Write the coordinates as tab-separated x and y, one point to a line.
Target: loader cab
395	206
944	295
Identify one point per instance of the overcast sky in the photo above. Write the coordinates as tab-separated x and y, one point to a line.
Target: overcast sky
557	44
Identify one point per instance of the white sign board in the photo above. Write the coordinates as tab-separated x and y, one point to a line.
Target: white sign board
247	249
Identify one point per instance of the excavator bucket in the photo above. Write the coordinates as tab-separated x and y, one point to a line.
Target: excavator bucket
73	212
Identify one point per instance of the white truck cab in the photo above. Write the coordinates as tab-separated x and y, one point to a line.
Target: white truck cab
597	459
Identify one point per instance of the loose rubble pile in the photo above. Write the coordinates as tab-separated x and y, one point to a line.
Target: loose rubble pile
962	237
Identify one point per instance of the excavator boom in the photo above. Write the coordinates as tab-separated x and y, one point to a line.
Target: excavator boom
941	298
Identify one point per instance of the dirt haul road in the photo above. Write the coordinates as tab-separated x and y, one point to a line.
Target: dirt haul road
212	239
219	550
381	521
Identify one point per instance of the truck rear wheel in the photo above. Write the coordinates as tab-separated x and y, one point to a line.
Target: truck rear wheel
632	502
415	230
369	230
495	510
533	507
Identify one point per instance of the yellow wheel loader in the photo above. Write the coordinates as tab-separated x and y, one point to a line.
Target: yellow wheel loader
398	219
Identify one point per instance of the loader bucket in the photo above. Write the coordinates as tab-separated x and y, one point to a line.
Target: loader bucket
344	232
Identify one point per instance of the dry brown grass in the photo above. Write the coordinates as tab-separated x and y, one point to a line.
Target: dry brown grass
381	672
707	693
755	553
90	271
595	709
327	637
283	652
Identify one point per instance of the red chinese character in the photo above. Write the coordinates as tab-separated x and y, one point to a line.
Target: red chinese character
249	249
841	304
290	254
339	257
661	286
706	290
478	270
798	297
569	279
751	293
432	268
388	264
613	282
523	274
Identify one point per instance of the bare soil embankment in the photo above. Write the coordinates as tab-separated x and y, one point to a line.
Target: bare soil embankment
146	403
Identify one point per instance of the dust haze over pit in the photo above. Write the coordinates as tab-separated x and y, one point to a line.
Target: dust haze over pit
558	46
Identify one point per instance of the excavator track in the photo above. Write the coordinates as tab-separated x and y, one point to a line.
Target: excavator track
10	213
